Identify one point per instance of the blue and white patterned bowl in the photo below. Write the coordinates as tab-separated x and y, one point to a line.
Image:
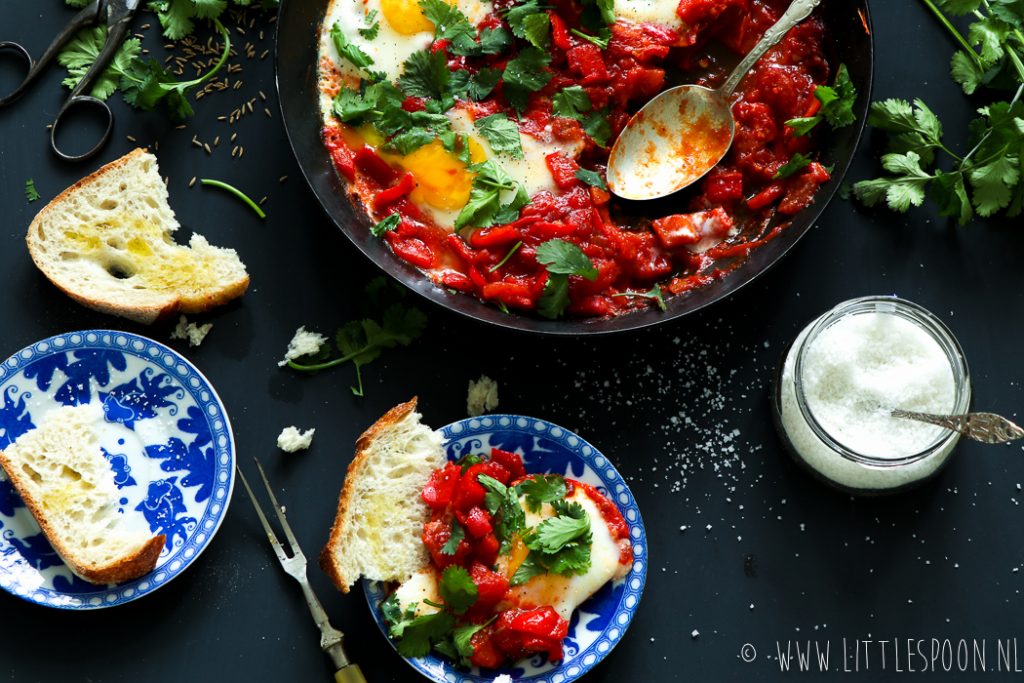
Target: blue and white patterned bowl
168	440
600	622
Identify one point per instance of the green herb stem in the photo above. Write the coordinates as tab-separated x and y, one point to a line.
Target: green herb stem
238	193
326	365
954	31
503	261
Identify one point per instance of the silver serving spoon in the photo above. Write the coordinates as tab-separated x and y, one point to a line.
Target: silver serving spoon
983	427
677	137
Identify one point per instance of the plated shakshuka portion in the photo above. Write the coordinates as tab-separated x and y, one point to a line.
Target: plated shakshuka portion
475	133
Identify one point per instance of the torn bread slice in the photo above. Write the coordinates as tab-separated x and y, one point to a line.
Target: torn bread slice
60	472
376	532
106	241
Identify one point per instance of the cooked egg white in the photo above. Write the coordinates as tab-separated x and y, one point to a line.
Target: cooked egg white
563	593
566	593
403	30
660	12
444	184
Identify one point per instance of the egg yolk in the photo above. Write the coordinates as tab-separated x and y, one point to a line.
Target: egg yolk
405	16
442	181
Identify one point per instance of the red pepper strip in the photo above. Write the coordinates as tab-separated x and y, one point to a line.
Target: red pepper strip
370	163
461	249
457	281
766	196
559	32
494	237
545	230
392	194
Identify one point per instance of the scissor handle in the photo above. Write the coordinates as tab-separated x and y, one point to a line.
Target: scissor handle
33	69
80	102
87	17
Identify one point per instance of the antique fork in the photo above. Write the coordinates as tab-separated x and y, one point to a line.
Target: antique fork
295	567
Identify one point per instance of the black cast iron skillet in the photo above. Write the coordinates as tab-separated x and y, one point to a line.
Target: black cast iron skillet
298	30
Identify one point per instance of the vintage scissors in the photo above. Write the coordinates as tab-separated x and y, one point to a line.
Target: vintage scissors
117	14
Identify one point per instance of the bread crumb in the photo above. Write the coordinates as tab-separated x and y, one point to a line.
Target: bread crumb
503	678
482	396
195	334
291	440
302	344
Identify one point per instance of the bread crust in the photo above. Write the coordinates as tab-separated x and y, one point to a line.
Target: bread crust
355	471
145	315
139	563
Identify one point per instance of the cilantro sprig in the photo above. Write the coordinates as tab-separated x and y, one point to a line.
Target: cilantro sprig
415	635
558	545
561	259
836	101
986	179
573	102
178	17
361	342
31	194
495	197
143	83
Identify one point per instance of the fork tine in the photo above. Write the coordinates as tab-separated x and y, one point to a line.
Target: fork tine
263	518
280	513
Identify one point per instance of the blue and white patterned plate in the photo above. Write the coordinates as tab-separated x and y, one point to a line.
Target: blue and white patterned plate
166	435
600	622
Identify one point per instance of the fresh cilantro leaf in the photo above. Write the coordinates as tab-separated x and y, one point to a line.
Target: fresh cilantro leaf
423	632
562	260
396	617
527	72
798	163
350	51
993	183
565	258
529	568
361	341
482	83
452	25
386	225
554	533
409	141
837	101
149	83
467	461
655	294
493	41
571	102
905	188
372	26
591	178
502	502
30	191
540	489
457	589
486	203
803	125
597	14
463	639
81	52
529	21
573	558
452	544
501	134
425	74
595	124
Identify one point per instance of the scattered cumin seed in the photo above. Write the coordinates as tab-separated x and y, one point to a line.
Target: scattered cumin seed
130	138
207	148
262	201
192	182
216	141
282	179
263	96
267	112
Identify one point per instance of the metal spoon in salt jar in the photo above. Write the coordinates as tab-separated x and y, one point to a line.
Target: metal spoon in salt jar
984	427
681	134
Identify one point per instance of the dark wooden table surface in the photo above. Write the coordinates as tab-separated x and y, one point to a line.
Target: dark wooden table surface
744	548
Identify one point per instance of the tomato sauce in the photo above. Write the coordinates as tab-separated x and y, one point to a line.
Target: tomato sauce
631	254
454	493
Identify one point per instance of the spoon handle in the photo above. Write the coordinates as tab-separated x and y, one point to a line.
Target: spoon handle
983	427
797	12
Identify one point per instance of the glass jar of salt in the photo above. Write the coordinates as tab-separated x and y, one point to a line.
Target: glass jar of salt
847	371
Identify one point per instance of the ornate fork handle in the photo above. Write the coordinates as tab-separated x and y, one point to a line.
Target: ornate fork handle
983	427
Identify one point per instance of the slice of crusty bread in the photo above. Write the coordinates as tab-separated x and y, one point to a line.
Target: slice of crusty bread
106	242
376	532
60	472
